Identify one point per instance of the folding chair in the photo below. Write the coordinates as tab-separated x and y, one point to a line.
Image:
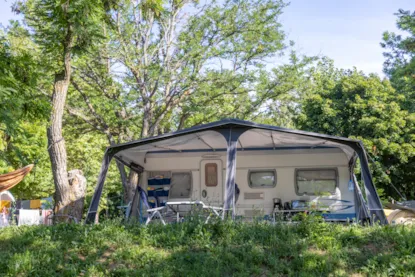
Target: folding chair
151	212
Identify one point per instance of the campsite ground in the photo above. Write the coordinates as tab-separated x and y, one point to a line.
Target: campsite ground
220	249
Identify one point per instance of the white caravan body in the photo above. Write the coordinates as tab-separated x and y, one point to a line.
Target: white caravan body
258	200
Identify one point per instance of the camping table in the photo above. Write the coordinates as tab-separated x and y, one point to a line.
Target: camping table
172	205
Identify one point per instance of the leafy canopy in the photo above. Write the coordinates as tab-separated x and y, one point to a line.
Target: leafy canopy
400	57
351	104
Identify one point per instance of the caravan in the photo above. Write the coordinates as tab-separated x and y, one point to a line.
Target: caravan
250	169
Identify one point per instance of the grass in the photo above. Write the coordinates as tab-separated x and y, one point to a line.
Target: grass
219	249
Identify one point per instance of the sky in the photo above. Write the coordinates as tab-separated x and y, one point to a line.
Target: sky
347	31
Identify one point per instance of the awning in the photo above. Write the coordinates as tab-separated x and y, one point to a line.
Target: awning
229	136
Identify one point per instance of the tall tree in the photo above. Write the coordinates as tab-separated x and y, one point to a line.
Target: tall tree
400	57
400	68
351	104
23	111
62	29
19	75
162	59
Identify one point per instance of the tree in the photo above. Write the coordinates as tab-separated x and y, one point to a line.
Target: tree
167	63
23	111
19	74
62	29
351	104
400	68
400	57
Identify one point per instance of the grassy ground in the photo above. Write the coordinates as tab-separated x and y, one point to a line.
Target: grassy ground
218	249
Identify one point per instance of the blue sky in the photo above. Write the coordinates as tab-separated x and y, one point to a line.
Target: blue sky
348	31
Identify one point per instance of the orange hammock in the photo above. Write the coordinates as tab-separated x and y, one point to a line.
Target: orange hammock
9	180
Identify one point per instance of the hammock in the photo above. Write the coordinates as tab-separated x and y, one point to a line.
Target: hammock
9	180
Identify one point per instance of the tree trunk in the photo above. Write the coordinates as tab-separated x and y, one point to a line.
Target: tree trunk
68	194
183	119
146	119
127	184
129	190
57	150
77	191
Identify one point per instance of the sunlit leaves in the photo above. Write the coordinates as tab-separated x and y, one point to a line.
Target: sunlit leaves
351	104
400	57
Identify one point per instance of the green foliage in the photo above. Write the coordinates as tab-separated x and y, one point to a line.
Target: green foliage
400	67
85	151
31	148
311	248
170	64
20	73
23	112
351	104
285	85
158	69
52	21
400	57
232	42
57	30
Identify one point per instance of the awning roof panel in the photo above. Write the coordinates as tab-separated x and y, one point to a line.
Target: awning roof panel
209	138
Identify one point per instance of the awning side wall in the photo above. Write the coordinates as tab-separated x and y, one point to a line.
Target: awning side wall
373	200
93	208
362	212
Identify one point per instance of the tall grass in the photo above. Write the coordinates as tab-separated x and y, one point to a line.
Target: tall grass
112	248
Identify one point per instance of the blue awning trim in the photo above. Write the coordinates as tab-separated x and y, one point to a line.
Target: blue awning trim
339	216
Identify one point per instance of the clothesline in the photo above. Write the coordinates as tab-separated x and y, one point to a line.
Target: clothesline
33	204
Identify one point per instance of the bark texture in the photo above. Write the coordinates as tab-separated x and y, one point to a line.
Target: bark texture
132	183
69	192
57	149
77	192
128	183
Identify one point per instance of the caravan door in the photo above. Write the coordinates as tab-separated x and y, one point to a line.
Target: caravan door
211	189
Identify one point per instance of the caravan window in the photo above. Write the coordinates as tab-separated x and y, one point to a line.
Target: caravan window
262	178
181	185
211	174
316	181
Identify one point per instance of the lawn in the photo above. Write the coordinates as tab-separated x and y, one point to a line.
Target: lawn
112	248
